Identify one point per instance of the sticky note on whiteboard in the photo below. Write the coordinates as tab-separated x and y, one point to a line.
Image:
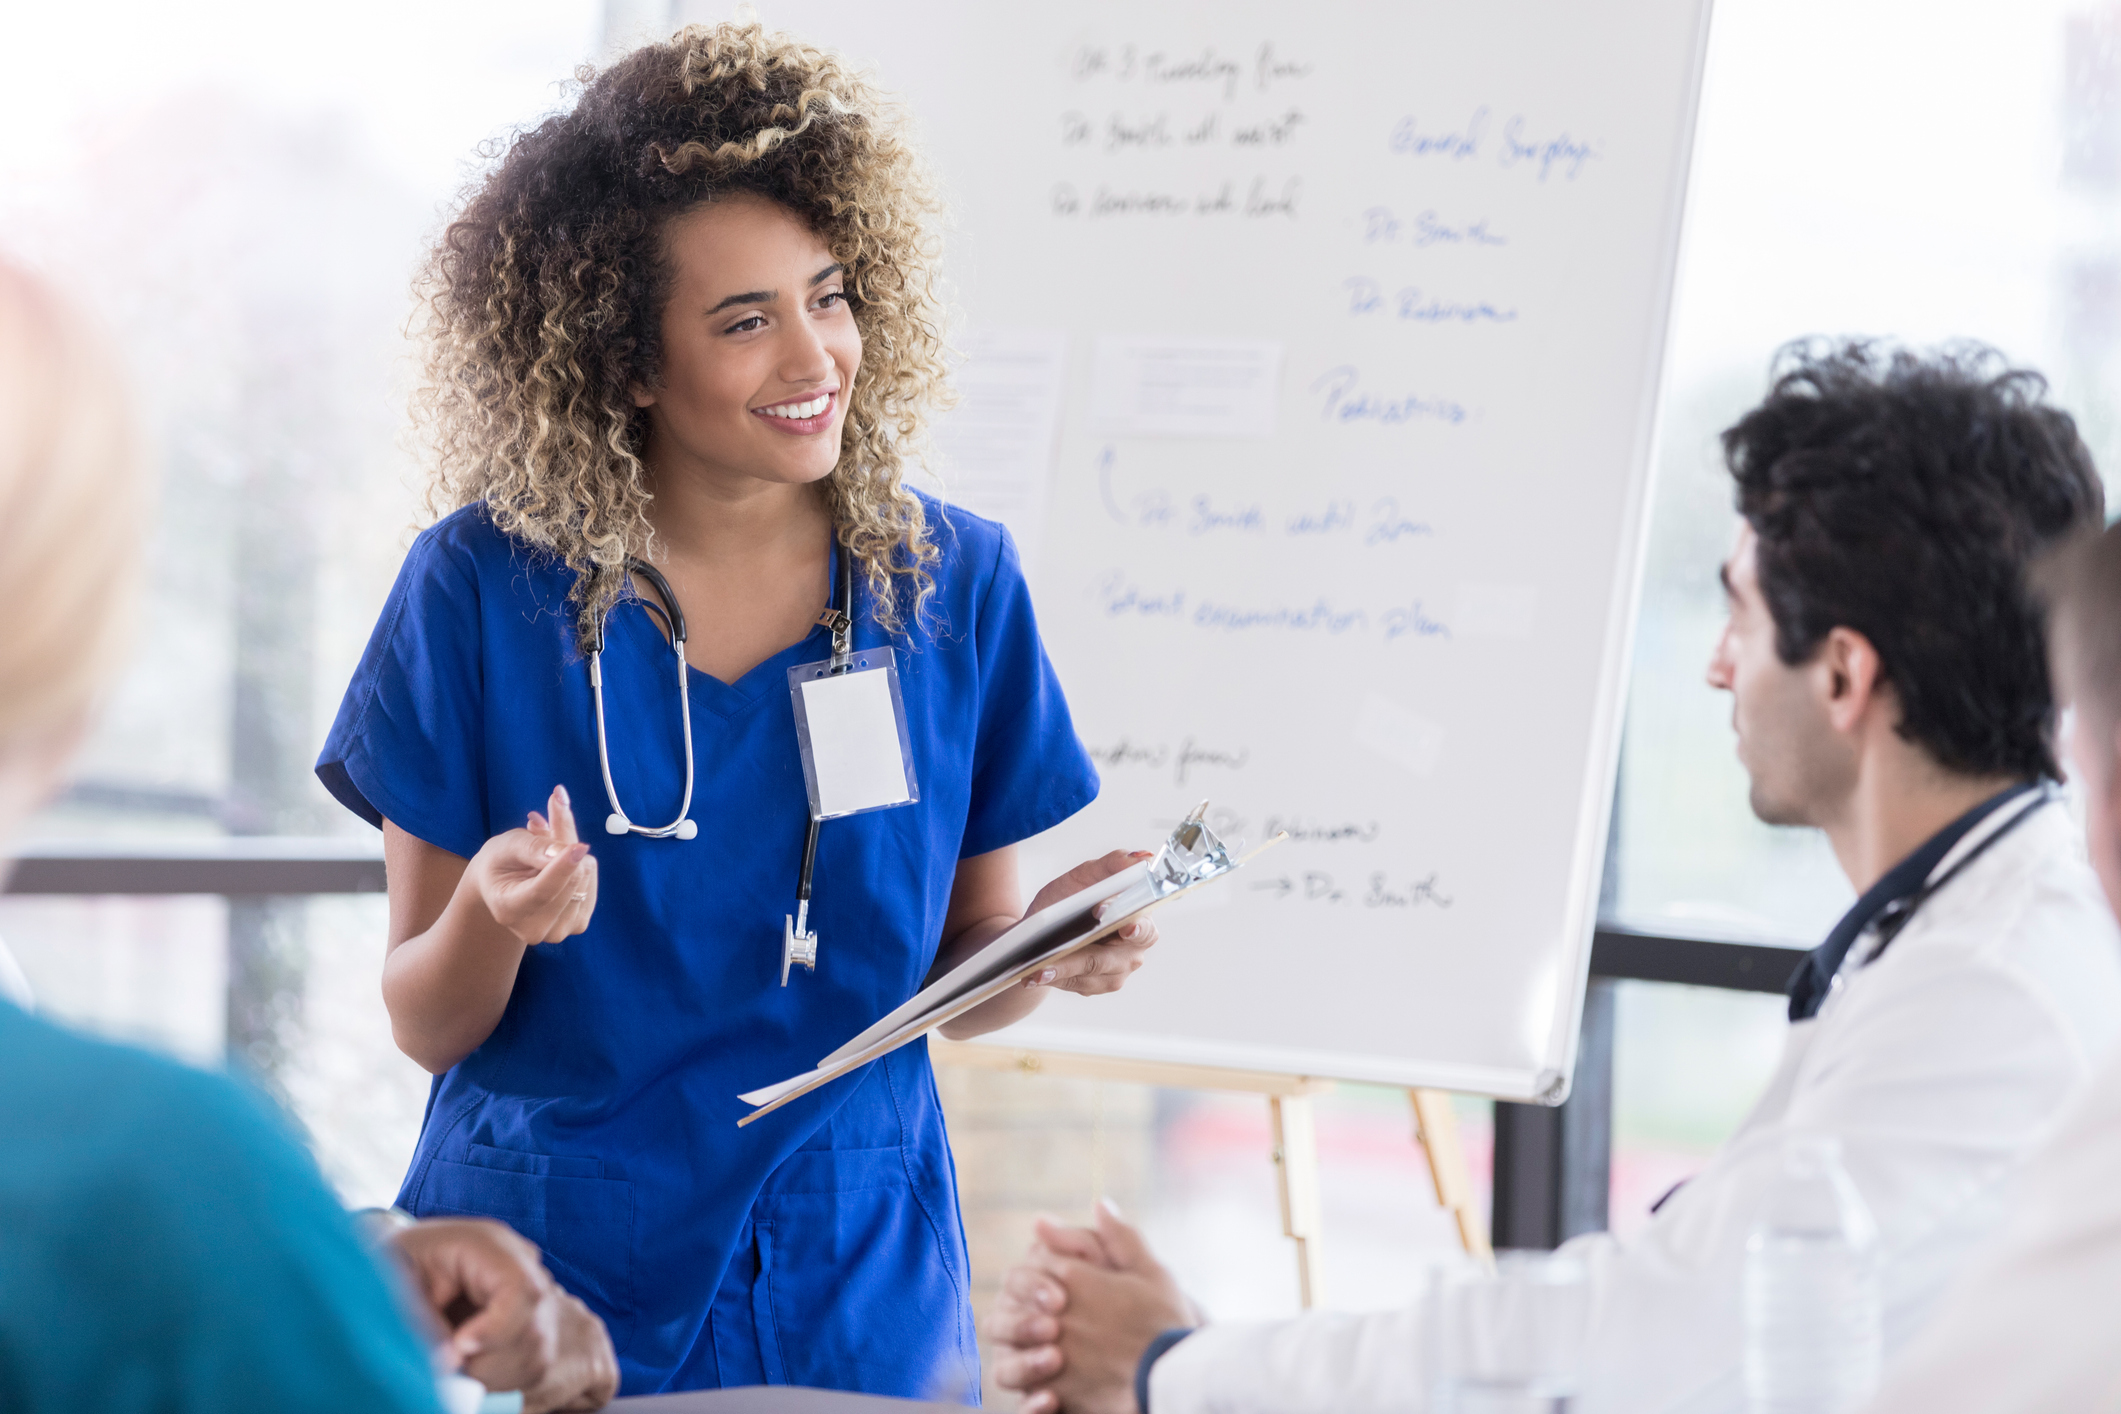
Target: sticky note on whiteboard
997	443
1401	737
1154	386
1494	610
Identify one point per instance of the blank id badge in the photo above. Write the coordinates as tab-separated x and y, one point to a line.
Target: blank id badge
851	729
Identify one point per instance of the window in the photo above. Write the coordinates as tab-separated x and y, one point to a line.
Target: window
1904	170
241	188
240	191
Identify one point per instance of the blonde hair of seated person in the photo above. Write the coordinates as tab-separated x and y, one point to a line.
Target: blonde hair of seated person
72	513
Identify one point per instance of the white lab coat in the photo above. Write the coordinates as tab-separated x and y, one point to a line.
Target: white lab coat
2033	1326
1940	1067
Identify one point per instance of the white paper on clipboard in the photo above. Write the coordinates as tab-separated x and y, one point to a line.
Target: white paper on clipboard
1191	857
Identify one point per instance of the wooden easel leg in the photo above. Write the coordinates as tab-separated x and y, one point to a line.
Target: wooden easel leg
1296	1175
1436	1130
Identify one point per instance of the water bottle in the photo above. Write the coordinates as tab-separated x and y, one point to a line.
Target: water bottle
1812	1325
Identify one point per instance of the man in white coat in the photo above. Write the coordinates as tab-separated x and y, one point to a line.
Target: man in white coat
2034	1324
1889	687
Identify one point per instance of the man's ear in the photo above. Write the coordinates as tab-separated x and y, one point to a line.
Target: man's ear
1850	677
642	397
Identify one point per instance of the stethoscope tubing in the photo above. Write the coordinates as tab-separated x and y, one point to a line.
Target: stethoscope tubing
800	944
618	822
1891	926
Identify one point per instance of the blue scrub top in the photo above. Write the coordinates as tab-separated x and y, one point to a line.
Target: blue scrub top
822	1245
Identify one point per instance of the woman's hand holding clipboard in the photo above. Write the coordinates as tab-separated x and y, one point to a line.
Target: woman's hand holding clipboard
1190	858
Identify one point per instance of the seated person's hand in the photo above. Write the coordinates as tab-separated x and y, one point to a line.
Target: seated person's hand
586	1373
510	1325
1075	1316
1104	966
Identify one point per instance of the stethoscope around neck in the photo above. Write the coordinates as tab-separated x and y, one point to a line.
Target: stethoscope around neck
799	947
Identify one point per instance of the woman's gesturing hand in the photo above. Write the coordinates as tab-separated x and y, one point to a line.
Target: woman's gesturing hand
1103	966
539	882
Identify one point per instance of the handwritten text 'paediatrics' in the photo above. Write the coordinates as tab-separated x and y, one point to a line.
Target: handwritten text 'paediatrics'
1342	398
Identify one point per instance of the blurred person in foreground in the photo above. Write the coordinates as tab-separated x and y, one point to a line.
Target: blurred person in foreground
1883	654
2031	1325
164	1244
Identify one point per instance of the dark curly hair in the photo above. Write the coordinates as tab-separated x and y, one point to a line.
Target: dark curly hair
1905	497
545	297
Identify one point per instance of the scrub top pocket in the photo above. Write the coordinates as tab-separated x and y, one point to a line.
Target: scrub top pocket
583	1227
865	1291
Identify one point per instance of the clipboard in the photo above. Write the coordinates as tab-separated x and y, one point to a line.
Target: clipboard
1192	857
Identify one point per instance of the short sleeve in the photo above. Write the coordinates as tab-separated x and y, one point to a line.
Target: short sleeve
1029	769
407	744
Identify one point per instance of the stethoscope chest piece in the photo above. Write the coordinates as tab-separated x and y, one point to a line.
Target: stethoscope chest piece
798	945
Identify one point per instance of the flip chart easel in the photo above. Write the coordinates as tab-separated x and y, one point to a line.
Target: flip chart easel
1295	1136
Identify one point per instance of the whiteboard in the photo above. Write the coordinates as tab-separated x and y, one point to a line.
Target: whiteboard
1313	355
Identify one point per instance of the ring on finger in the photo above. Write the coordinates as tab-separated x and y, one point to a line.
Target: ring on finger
580	896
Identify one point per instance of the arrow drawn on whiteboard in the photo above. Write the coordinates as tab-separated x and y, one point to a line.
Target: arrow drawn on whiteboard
1104	486
1317	886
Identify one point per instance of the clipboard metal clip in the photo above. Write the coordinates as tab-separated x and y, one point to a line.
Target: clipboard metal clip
1193	854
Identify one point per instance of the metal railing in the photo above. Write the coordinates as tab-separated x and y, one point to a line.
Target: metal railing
1551	1164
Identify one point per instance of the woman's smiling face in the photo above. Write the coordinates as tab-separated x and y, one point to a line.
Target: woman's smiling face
759	348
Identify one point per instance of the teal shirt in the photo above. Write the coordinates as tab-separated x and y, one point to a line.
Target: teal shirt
166	1247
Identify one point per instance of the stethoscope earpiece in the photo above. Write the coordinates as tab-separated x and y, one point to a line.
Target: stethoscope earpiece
688	828
615	824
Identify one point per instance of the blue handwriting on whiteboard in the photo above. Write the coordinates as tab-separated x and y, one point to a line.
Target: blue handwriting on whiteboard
1388	525
1547	152
1153	509
1343	399
1517	148
1337	516
1318	617
1428	230
1366	296
1120	598
1381	227
1207	518
1408	140
1411	621
1418	308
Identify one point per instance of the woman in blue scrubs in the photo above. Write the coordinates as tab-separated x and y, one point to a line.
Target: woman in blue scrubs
692	321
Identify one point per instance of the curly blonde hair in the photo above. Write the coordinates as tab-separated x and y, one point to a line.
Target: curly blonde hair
543	301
